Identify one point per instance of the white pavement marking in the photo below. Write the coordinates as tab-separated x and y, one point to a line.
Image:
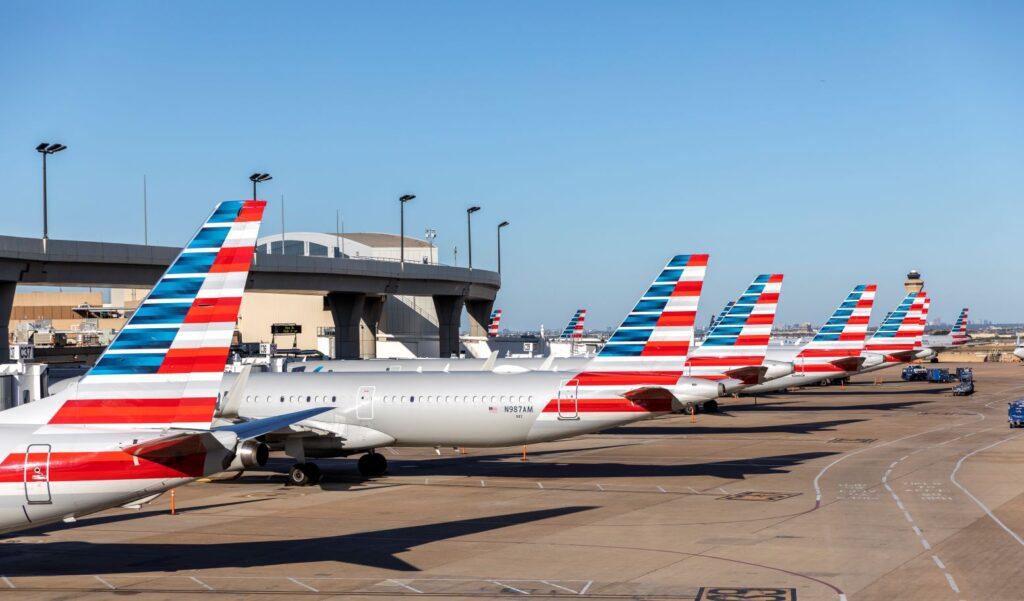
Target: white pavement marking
404	585
586	587
201	583
924	543
482	484
303	584
105	583
938	562
8	582
693	490
539	485
662	489
511	588
907	515
817	479
564	588
952	583
599	487
952	478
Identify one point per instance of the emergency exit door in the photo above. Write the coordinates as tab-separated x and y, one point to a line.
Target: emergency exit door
364	402
37	473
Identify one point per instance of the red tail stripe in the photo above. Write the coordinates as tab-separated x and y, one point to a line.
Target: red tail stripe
213	310
232	258
180	361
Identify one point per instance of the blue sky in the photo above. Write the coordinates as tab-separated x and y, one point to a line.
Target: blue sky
836	143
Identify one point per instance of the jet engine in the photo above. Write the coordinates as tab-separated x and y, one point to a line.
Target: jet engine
249	454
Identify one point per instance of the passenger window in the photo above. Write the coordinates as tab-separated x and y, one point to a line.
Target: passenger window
334	399
282	398
412	399
309	398
404	397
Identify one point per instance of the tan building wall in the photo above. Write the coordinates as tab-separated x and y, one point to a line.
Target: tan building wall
261	309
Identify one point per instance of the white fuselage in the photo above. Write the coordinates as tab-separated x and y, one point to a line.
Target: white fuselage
453	409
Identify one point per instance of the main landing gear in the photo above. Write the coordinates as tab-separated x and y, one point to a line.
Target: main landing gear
304	474
372	464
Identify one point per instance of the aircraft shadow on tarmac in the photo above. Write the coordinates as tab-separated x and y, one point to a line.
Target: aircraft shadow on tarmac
507	466
801	428
855	392
119	517
791	404
376	549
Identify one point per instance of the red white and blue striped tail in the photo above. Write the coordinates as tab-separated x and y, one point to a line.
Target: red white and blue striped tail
164	368
959	331
574	330
842	337
495	325
902	330
717	319
658	332
740	339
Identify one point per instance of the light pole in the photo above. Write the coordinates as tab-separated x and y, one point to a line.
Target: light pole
401	233
469	231
45	149
500	225
258	178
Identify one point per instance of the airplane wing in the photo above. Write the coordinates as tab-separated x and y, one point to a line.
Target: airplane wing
183	442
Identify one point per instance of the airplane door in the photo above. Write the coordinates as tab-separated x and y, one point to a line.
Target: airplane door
568	403
364	402
799	371
37	474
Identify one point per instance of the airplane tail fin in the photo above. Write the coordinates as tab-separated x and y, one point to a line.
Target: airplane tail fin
902	330
165	366
736	348
574	329
959	332
843	335
495	325
717	319
659	329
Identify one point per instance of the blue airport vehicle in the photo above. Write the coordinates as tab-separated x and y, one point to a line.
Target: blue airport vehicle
914	373
964	388
1015	413
939	375
965	374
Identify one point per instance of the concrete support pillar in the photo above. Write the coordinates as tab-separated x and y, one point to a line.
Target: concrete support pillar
449	316
373	306
347	311
6	307
479	312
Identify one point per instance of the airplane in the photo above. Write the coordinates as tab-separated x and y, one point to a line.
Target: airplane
834	352
637	375
139	422
495	324
898	339
574	329
934	344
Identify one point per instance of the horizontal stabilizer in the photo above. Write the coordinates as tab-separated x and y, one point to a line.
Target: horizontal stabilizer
849	363
651	398
751	374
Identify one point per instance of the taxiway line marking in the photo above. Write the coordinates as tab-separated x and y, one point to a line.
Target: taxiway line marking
303	584
599	487
540	486
662	489
511	588
105	583
404	585
586	587
952	583
8	582
564	588
201	583
952	478
938	562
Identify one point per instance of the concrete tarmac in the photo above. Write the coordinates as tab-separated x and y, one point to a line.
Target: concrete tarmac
874	492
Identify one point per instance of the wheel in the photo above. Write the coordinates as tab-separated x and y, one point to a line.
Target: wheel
313	473
298	475
365	465
690	408
380	464
711	406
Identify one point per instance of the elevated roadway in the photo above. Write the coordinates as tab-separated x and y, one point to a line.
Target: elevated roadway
354	288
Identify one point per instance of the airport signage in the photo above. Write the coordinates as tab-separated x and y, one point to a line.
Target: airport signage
285	328
22	352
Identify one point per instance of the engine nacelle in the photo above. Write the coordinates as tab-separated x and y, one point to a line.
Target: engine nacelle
250	454
696	389
872	359
925	353
777	369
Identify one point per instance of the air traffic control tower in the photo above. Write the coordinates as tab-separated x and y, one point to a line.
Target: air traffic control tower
914	282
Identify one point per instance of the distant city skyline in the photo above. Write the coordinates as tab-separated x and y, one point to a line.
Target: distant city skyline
836	144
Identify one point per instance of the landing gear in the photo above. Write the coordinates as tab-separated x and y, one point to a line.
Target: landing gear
304	474
690	408
710	406
372	464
